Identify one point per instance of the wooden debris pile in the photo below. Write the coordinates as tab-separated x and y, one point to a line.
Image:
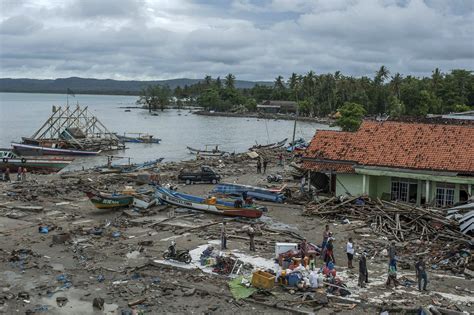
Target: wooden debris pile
422	231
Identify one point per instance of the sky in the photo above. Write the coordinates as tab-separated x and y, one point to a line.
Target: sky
253	39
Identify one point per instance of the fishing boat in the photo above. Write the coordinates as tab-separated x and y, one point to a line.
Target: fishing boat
9	159
274	195
142	138
274	145
211	205
214	152
108	201
35	150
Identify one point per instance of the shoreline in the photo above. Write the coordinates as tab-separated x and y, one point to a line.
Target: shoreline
321	120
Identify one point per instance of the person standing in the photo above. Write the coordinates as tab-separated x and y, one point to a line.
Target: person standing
303	183
421	275
259	166
265	163
363	272
392	254
224	236
329	257
280	159
350	253
304	248
326	235
18	174
392	275
7	175
23	174
251	234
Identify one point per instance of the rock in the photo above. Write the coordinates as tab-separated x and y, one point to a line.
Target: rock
61	238
61	300
189	292
98	303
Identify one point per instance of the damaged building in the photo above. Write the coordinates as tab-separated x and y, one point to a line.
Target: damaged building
419	163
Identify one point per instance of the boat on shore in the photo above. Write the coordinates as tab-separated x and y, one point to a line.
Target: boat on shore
9	159
274	145
109	201
35	150
214	152
210	205
273	195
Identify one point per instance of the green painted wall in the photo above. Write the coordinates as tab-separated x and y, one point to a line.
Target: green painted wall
349	182
378	186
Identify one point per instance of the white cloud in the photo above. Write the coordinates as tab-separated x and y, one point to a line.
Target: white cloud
148	39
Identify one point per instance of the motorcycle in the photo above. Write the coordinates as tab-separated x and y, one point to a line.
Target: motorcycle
274	178
178	255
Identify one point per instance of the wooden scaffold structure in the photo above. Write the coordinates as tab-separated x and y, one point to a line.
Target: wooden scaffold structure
75	128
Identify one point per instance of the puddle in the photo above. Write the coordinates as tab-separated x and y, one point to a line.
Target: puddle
75	305
276	225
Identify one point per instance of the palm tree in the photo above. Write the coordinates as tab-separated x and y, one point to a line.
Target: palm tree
208	80
279	83
230	81
396	83
381	75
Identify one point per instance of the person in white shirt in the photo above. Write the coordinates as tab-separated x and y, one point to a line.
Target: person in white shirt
350	253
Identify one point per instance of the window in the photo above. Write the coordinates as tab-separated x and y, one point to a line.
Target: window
404	189
444	194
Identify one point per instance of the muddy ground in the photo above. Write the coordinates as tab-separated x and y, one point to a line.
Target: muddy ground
125	269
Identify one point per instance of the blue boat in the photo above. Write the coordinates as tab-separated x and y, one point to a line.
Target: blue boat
211	205
274	195
142	138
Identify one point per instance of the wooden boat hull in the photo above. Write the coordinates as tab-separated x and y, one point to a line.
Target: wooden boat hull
107	201
34	164
197	203
275	145
274	195
28	149
205	152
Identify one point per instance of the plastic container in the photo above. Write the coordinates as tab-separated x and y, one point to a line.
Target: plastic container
294	278
263	280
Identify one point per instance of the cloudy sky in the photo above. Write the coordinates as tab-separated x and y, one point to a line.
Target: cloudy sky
254	39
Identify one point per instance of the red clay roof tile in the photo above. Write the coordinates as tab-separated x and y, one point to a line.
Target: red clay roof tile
398	144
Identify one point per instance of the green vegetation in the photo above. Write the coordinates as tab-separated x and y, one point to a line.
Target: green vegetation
325	94
351	115
154	97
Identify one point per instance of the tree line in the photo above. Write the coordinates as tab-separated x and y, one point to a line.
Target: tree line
325	94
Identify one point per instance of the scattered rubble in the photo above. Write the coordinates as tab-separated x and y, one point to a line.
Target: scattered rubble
111	260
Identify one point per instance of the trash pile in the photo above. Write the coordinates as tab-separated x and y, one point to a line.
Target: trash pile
420	230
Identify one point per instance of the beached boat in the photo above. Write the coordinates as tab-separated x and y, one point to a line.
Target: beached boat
274	195
29	149
108	201
9	159
211	205
274	145
215	152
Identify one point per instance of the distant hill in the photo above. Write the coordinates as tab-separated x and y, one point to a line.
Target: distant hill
97	86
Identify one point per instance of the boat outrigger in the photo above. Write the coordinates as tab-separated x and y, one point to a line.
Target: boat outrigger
211	205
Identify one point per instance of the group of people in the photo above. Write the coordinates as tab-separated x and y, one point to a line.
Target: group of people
21	174
259	166
420	266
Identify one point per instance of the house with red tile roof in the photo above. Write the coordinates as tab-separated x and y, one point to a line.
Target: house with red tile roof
409	162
